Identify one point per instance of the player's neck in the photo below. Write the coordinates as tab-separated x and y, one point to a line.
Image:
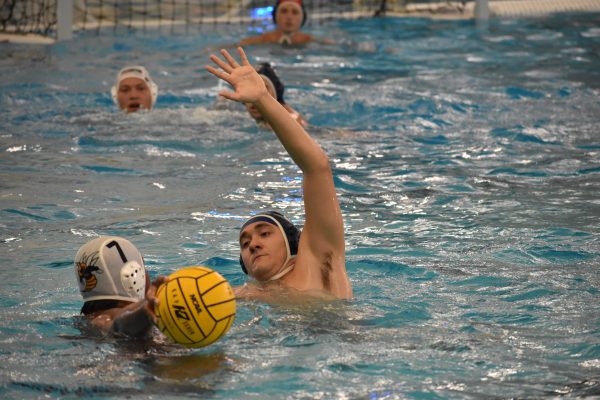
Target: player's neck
284	271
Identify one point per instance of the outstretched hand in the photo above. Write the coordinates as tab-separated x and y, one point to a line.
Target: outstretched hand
248	85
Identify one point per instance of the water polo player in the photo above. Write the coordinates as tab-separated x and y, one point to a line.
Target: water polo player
289	17
134	89
268	241
116	290
276	89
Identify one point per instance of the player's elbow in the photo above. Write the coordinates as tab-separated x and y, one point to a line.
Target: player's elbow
320	163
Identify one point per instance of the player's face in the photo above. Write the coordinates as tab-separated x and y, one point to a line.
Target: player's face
133	95
263	250
289	17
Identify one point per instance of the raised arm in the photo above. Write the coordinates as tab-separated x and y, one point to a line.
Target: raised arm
323	231
250	88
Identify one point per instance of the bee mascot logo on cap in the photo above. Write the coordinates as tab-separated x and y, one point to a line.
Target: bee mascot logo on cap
86	267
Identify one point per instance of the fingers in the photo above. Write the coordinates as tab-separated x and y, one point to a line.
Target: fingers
243	56
149	308
231	64
159	280
224	66
229	59
227	70
153	302
218	73
229	95
156	283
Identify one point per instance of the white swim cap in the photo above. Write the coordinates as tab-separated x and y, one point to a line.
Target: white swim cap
135	71
110	268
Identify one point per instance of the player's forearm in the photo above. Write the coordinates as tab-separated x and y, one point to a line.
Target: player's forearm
133	322
303	149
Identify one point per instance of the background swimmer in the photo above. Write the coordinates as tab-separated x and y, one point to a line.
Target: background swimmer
276	89
134	90
289	17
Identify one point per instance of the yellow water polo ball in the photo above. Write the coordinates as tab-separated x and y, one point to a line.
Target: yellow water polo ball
196	306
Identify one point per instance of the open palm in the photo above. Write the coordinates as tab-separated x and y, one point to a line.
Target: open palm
248	85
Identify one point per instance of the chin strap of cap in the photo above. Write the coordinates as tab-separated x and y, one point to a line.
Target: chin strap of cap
284	271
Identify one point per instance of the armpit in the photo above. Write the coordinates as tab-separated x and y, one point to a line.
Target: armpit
326	270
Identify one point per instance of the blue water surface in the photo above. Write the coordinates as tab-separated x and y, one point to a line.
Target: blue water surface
466	160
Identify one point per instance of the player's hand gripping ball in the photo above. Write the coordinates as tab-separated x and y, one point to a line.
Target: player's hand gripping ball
196	306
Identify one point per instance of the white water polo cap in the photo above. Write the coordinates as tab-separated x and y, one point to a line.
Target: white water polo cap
139	72
110	268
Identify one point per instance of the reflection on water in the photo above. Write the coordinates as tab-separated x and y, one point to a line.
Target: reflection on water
466	164
195	374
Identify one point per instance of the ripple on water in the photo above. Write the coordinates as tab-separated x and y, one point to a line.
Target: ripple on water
467	180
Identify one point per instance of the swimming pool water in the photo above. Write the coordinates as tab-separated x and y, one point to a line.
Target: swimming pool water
467	165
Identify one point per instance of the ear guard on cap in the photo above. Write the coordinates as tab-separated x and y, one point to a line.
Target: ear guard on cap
135	72
133	279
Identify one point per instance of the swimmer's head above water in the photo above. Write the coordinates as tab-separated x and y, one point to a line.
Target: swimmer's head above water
134	89
274	84
268	246
274	87
109	270
289	15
